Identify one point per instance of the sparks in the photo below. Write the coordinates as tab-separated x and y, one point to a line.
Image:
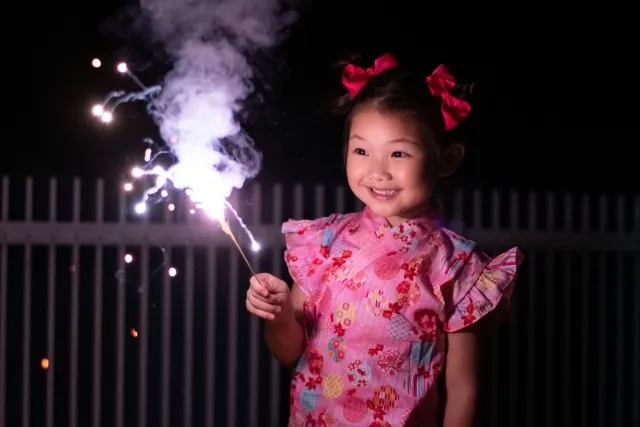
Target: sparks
199	181
106	117
97	110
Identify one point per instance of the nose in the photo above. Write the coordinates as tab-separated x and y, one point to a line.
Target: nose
378	170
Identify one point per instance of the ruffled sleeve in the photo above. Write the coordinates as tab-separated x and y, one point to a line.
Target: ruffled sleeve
307	250
482	286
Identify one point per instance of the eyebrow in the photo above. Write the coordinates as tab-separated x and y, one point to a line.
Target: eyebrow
397	140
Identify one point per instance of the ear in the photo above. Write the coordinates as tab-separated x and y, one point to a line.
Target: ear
451	159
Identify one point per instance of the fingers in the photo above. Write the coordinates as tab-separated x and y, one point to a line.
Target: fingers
269	282
260	306
257	284
260	313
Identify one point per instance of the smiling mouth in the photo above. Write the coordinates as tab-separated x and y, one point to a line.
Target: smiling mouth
383	194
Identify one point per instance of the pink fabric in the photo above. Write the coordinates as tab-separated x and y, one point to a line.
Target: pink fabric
380	300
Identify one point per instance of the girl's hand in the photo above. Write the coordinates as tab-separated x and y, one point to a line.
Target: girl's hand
268	297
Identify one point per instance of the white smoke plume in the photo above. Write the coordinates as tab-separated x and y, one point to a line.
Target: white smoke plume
210	43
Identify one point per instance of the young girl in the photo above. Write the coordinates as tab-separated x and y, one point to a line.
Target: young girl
385	301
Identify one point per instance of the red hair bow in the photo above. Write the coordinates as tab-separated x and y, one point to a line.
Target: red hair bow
354	77
440	83
454	110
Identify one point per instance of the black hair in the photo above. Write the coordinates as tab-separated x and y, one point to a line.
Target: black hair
405	91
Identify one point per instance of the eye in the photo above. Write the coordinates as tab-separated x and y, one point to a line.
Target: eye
359	151
399	154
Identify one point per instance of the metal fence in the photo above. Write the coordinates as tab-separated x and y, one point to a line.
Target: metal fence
94	331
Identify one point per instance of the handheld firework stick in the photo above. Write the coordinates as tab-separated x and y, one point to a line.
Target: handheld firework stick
207	196
225	227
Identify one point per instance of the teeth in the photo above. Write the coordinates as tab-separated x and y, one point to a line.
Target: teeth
384	192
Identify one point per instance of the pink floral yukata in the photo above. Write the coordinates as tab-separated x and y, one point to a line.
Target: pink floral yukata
379	301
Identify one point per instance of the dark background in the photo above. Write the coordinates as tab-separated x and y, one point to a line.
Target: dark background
554	109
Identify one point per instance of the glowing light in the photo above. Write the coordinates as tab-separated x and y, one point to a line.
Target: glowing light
128	258
204	171
97	110
44	363
96	63
106	117
133	333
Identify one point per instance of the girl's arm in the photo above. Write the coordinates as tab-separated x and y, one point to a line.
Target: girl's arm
285	334
461	377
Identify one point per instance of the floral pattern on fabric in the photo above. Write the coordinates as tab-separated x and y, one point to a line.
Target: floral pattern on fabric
380	300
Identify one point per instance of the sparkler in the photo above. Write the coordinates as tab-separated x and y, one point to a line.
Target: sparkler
203	195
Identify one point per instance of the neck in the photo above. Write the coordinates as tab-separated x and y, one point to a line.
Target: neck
419	211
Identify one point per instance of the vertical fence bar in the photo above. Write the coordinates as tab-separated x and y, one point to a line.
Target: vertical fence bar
143	320
232	362
565	403
75	294
120	321
3	329
494	373
26	325
550	327
457	216
187	418
635	377
254	325
585	319
4	218
96	405
276	262
319	201
515	338
210	402
532	319
298	201
568	314
514	206
620	321
51	307
165	378
495	210
340	193
602	367
477	209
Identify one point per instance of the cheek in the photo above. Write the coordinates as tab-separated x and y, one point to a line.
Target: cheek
413	175
353	168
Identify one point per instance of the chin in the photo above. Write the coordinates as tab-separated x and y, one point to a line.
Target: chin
384	211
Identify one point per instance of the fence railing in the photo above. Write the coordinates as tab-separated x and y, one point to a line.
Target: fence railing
96	330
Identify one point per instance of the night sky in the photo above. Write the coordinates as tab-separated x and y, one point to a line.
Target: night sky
554	106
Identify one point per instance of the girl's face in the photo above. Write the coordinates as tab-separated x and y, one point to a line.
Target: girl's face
387	165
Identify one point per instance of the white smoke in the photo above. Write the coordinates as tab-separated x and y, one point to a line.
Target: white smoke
209	42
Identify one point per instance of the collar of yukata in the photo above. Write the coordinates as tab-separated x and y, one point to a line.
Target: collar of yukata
430	221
